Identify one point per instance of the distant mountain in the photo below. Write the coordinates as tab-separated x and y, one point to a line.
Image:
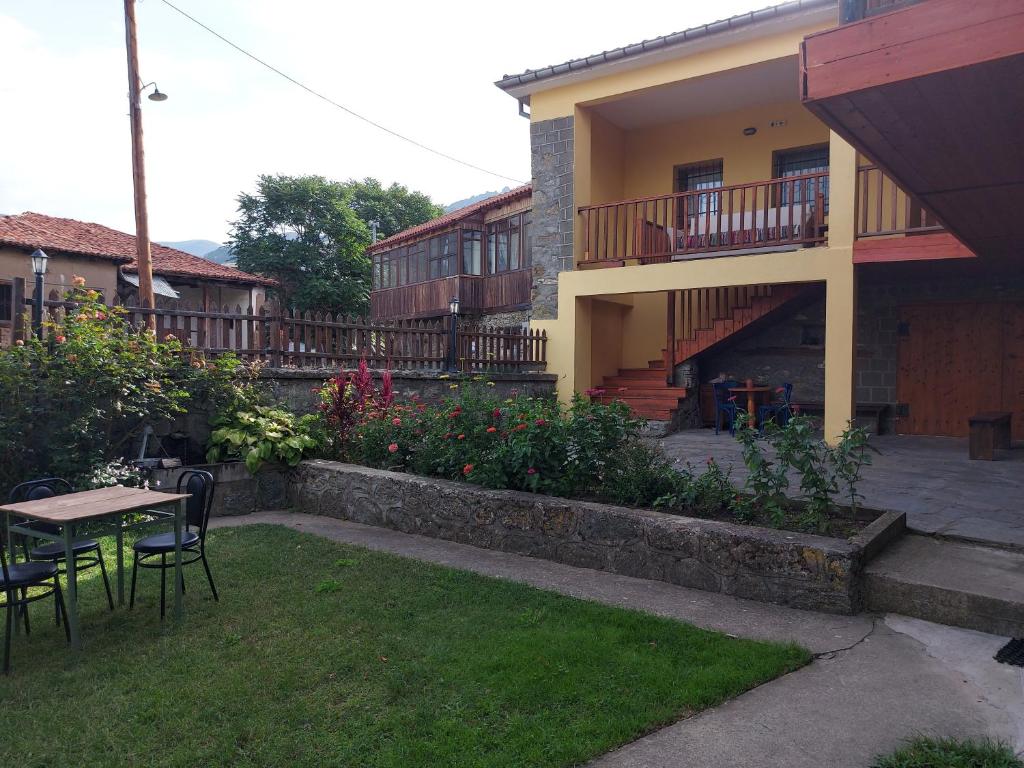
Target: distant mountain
474	199
221	255
195	247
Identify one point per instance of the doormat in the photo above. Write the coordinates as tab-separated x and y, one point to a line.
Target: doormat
1012	652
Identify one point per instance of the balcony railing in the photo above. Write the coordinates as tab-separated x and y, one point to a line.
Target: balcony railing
885	209
504	290
776	213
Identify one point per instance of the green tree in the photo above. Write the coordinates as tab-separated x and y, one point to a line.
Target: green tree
394	208
304	232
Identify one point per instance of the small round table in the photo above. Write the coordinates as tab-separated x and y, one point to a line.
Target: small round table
752	392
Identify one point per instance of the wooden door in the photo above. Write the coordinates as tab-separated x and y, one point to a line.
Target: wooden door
958	359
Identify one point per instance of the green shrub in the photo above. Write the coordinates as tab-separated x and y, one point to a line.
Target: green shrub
81	398
262	434
951	753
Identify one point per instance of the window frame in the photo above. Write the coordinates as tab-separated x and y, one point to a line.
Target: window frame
779	194
707	202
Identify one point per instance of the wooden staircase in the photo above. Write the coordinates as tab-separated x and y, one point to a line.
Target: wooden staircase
714	315
644	390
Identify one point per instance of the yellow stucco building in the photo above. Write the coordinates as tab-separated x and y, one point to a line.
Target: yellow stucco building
685	198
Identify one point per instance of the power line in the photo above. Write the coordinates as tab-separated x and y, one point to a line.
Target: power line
333	103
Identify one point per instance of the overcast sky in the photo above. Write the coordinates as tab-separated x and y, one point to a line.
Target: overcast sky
425	69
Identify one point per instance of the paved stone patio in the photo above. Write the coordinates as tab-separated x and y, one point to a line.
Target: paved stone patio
929	478
876	681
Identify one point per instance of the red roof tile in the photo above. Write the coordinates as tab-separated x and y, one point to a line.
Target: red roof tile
453	218
35	230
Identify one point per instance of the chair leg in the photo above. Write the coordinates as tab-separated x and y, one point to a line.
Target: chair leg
24	610
209	577
9	627
106	580
135	572
163	584
61	607
718	420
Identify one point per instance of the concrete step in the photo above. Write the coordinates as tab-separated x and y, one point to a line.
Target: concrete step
949	582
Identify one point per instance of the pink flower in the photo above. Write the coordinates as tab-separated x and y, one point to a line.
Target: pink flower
101	315
467	469
732	399
461	437
540	422
779	390
60	339
393	448
492	429
531	471
396	421
496	413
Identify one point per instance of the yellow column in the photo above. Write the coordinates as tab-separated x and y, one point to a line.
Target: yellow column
841	290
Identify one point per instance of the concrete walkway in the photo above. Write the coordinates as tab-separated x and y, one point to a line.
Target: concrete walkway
877	680
930	478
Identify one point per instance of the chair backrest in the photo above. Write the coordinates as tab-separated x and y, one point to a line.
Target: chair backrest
199	484
787	392
44	488
721	390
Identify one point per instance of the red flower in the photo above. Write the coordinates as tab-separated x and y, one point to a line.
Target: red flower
396	421
540	422
393	448
779	390
732	399
520	427
531	471
497	413
467	469
60	339
492	429
462	437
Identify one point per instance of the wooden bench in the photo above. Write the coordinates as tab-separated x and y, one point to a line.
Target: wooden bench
872	413
989	430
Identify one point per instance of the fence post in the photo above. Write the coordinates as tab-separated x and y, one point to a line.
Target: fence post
18	309
275	334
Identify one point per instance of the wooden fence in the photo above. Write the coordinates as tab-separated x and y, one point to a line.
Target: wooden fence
318	340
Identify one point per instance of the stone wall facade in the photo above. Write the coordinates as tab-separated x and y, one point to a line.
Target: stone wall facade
799	570
551	148
236	492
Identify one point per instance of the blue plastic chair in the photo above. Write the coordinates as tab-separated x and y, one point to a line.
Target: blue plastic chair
723	404
778	411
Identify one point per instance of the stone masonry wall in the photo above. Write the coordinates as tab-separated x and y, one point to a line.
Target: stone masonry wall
551	148
799	570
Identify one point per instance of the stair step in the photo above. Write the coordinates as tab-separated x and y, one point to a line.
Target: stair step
643	373
632	392
659	364
614	382
643	402
949	582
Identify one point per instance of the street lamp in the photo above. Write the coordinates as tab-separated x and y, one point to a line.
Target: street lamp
39	259
453	309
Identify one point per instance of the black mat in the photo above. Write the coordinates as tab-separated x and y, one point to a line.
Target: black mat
1012	652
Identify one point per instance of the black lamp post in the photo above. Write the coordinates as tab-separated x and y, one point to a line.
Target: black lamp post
39	258
453	308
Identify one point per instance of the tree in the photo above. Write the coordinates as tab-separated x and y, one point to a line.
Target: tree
304	232
394	208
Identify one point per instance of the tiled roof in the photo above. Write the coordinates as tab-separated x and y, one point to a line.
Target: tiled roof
664	41
454	217
35	230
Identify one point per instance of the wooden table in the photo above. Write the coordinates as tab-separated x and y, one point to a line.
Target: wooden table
752	393
89	506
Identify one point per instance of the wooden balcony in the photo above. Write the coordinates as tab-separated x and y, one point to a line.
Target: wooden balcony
764	215
893	226
477	294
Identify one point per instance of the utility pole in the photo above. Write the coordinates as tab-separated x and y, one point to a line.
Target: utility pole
143	251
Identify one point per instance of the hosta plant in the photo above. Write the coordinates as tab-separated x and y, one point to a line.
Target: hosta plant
262	434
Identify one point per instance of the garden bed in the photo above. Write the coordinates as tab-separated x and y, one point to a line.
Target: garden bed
801	570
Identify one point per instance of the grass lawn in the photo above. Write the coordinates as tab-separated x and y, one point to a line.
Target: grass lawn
325	654
951	753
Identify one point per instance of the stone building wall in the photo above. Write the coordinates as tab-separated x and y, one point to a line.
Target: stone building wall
551	148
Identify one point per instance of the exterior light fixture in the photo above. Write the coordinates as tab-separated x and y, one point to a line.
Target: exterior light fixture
156	95
750	131
453	305
453	334
39	259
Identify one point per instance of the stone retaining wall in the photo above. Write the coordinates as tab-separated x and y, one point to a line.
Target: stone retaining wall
798	570
236	492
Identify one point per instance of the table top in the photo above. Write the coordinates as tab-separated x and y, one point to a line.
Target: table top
750	389
91	505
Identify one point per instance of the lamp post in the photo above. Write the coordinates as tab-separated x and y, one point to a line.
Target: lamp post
143	252
453	321
39	259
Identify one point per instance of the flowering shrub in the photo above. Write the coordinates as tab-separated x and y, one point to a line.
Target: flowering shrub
346	400
82	396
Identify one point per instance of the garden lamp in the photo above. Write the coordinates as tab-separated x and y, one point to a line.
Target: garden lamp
39	259
453	333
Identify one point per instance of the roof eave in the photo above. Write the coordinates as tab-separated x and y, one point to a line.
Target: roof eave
717	34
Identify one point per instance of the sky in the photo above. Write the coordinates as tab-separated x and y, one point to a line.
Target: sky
424	69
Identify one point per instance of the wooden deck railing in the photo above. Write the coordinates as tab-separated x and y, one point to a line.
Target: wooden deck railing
319	340
885	209
774	213
505	290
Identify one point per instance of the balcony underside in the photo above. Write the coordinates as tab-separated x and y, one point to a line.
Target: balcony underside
930	93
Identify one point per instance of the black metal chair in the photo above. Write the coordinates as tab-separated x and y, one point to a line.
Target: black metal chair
725	404
87	552
16	579
199	484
